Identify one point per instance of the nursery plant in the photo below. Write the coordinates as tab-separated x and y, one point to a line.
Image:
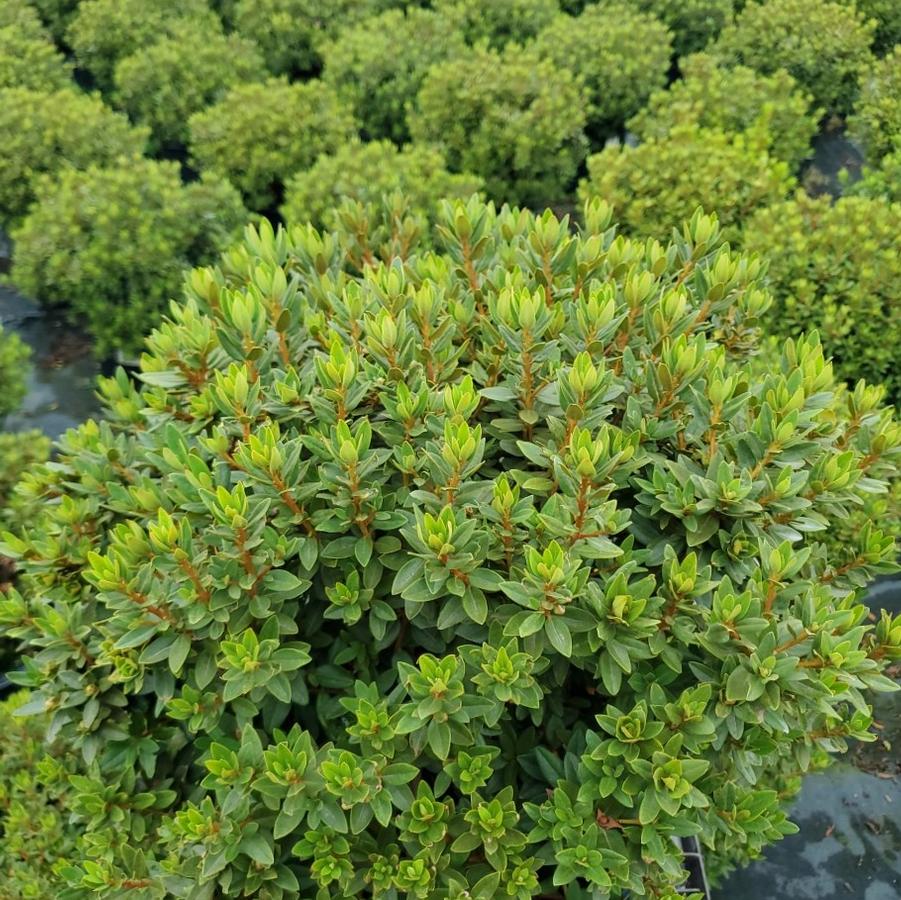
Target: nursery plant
14	358
835	267
876	121
70	252
888	22
378	65
511	117
44	133
259	134
104	31
31	61
56	14
500	22
481	571
366	172
693	23
733	99
882	180
289	31
22	15
663	180
163	84
33	829
824	45
620	55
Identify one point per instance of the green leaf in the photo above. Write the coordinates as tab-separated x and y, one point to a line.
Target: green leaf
559	635
439	735
257	848
178	653
476	605
739	685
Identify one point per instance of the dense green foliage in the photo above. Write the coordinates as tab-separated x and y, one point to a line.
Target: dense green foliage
510	117
163	84
14	356
378	65
20	453
619	54
364	173
500	21
662	181
836	267
464	573
258	135
22	15
882	180
288	31
71	250
877	113
56	14
33	830
104	31
31	61
887	15
825	45
693	23
733	99
44	133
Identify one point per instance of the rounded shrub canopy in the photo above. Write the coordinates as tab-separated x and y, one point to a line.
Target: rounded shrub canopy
501	21
258	135
466	572
510	117
378	64
57	14
70	249
47	132
835	267
662	181
289	31
824	45
31	61
693	23
163	84
22	15
621	56
104	31
733	99
877	113
366	172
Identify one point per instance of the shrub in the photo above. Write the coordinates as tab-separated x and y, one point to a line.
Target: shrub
472	572
377	65
510	116
824	45
365	172
258	135
289	31
835	267
20	453
693	23
31	62
888	22
21	15
662	181
44	133
620	54
71	249
499	22
734	99
57	14
34	833
104	31
882	181
163	84
877	114
14	356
